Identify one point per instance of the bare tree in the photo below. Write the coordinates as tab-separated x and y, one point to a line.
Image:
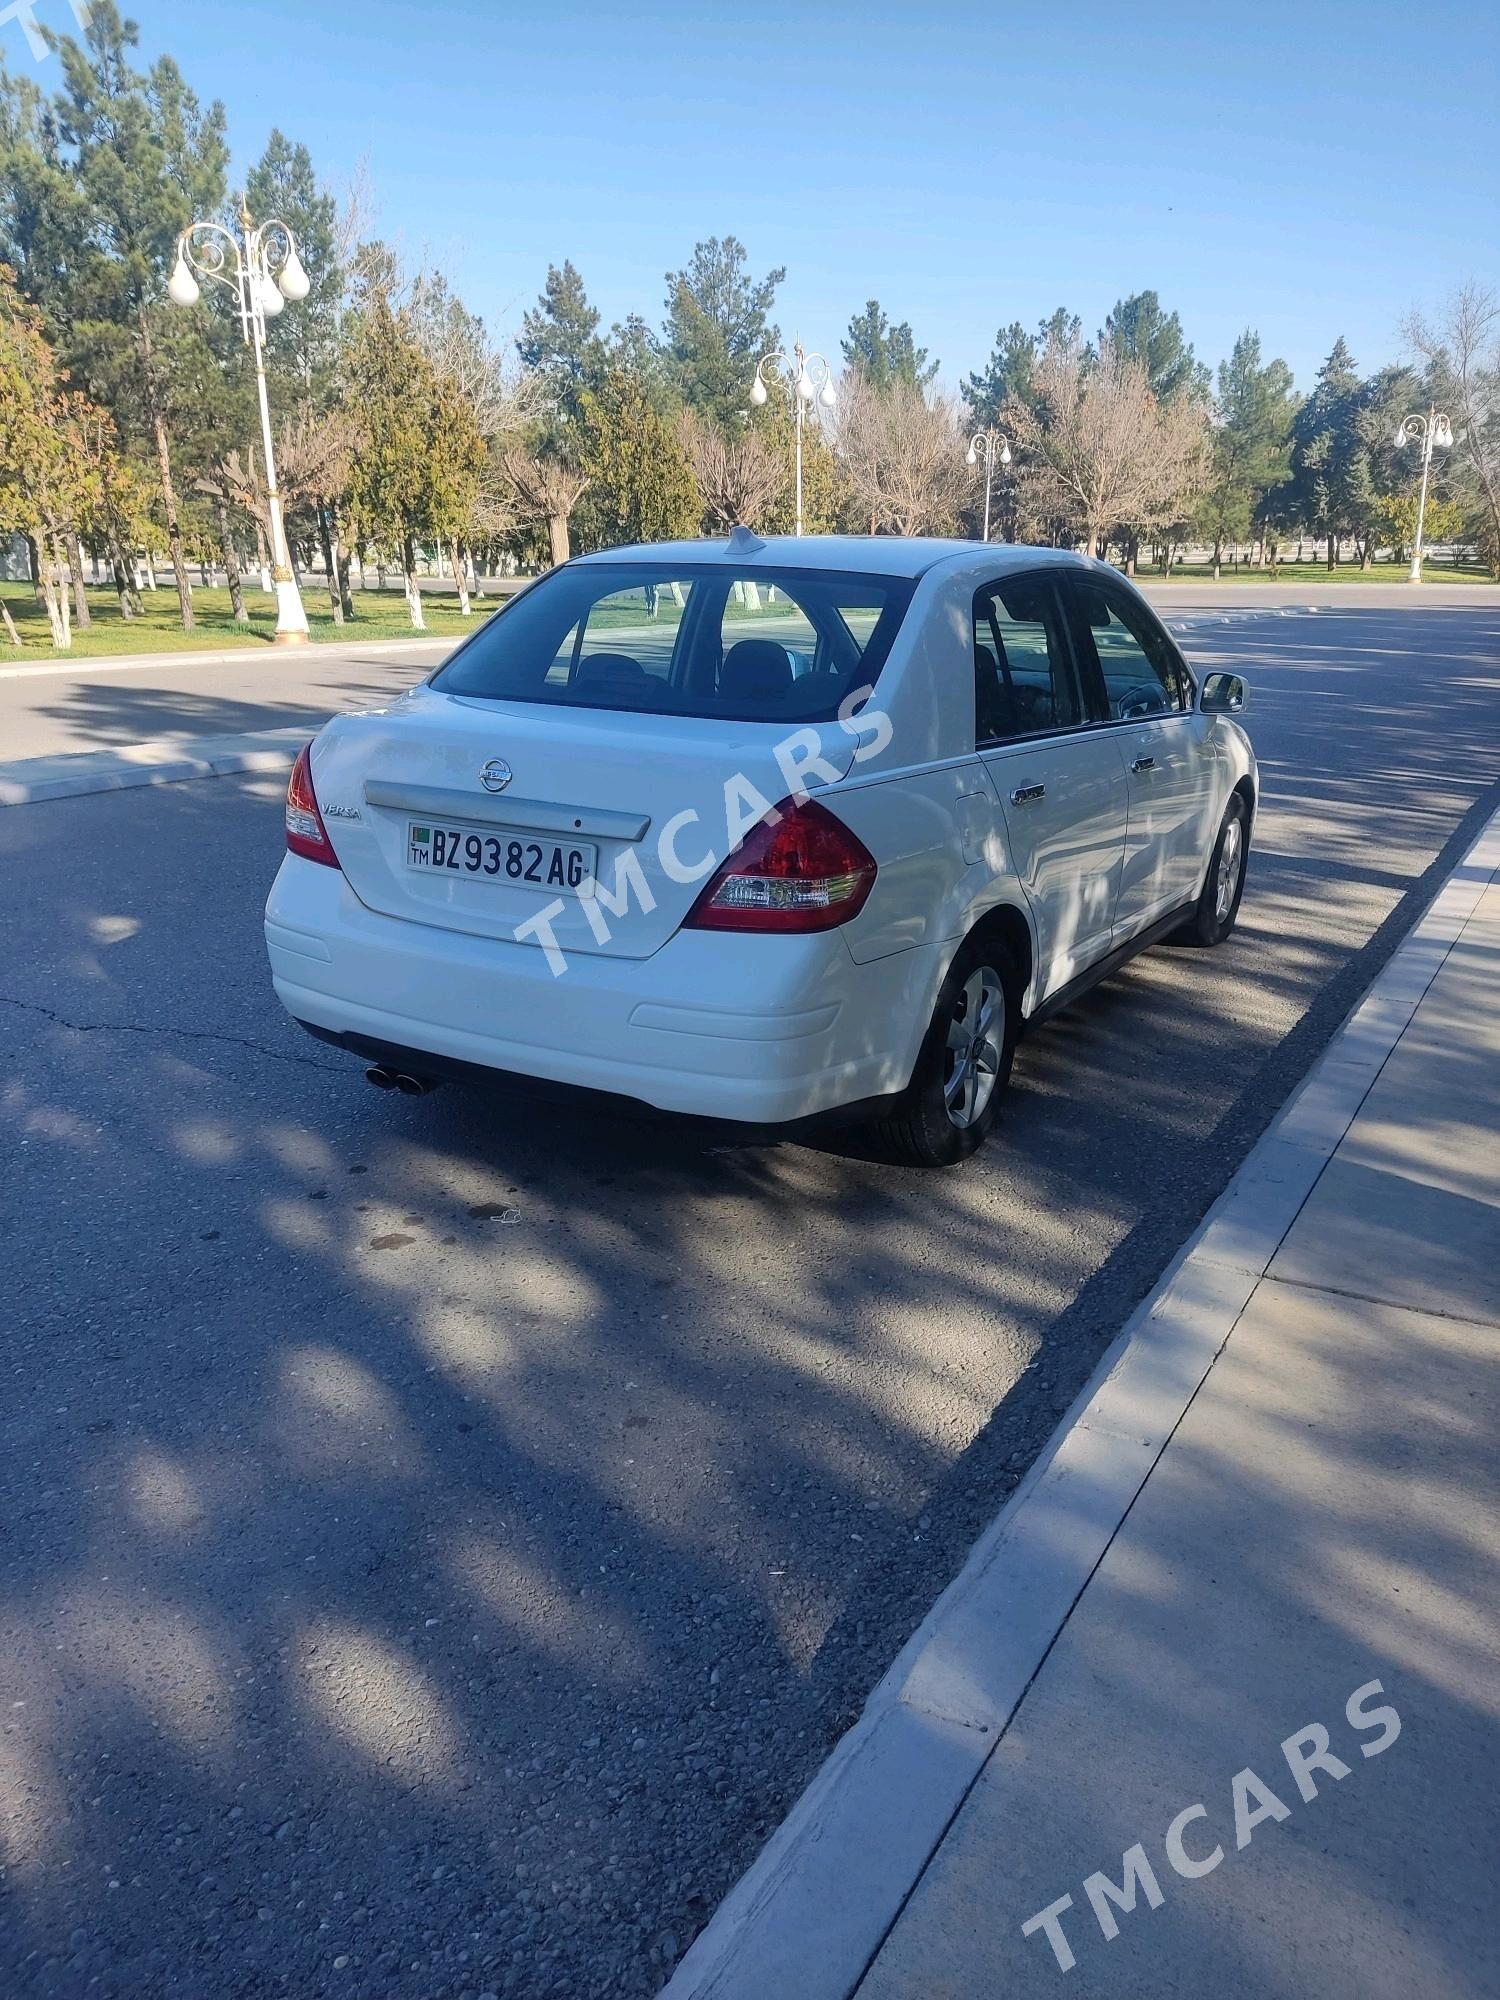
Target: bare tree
737	478
354	217
233	482
496	514
1098	449
503	397
1462	348
313	457
549	488
902	455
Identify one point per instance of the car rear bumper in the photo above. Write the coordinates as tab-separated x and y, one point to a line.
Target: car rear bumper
678	1030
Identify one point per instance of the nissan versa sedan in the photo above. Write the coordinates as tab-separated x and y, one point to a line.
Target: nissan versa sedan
762	830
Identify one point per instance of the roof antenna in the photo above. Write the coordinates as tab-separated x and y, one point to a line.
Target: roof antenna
742	542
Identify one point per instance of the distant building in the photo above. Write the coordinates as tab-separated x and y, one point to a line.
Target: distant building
14	565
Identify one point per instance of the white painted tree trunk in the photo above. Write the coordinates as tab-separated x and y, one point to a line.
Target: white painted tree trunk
413	594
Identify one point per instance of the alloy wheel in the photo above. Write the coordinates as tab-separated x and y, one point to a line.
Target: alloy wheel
1231	858
976	1041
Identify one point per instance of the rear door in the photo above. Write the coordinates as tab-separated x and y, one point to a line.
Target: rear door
1061	784
1137	684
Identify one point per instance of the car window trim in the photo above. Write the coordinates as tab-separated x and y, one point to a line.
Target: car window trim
894	590
1048	574
1115	594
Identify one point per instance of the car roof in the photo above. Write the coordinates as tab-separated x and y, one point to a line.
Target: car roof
870	555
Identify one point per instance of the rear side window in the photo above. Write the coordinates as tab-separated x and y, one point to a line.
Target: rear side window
1138	664
775	646
1024	683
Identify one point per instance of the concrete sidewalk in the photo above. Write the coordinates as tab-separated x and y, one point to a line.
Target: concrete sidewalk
1140	1738
1327	1515
164	762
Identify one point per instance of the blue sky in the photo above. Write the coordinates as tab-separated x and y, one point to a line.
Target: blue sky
1291	168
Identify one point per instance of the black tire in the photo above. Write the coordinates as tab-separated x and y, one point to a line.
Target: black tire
935	1122
1223	886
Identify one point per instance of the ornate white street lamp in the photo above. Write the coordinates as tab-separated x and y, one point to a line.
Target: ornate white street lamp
261	267
1432	431
806	376
987	445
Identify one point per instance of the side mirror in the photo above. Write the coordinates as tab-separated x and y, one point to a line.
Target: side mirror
1223	694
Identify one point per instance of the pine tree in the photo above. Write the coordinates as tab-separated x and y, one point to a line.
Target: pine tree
135	158
1323	439
1251	443
301	345
1006	376
718	327
560	341
416	465
1139	330
882	354
642	487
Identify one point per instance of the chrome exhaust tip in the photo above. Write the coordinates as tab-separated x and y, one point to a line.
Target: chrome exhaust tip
385	1078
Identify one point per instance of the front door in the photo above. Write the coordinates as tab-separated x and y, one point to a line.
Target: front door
1060	784
1141	689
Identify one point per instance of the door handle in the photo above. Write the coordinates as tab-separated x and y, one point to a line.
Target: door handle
1144	764
1024	794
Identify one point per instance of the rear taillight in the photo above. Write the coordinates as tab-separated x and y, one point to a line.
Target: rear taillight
798	869
305	832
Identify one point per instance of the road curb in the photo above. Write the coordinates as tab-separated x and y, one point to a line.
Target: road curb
80	773
814	1908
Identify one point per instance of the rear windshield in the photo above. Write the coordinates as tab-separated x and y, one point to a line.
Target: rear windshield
776	646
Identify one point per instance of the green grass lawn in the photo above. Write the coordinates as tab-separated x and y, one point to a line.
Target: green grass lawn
1317	572
377	615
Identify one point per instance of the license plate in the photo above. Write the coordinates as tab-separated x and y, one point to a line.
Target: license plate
501	854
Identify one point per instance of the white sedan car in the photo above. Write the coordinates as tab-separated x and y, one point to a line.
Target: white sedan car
765	830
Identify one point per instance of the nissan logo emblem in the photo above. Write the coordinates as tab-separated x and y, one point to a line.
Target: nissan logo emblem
495	775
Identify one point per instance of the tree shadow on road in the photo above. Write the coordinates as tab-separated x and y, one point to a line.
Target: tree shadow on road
443	1536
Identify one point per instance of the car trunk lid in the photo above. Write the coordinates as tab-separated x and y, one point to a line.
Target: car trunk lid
649	800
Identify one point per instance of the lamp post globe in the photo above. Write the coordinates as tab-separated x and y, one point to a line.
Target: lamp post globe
260	266
183	288
292	281
990	445
808	379
1429	430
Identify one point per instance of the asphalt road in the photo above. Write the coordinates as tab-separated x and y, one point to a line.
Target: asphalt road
61	708
439	1538
65	710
